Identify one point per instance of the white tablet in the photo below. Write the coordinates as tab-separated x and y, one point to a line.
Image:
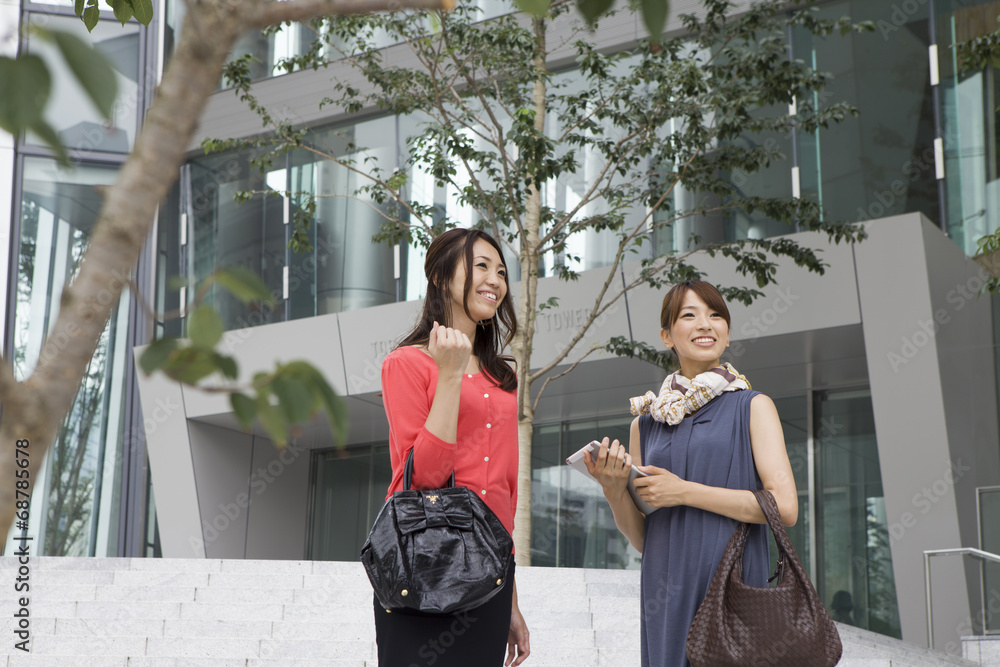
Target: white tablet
575	461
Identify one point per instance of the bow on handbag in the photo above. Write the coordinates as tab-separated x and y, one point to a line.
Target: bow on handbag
440	551
784	626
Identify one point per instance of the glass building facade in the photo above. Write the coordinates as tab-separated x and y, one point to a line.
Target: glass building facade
90	495
925	141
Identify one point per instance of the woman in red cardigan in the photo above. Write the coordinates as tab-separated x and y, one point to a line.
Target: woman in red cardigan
450	397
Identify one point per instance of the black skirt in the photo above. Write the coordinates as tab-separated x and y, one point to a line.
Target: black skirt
476	637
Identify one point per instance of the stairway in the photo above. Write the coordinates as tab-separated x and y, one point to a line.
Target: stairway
120	612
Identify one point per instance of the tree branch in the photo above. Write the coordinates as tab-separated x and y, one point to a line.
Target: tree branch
538	396
9	386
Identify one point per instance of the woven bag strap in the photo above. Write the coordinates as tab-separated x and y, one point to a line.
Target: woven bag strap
773	515
787	558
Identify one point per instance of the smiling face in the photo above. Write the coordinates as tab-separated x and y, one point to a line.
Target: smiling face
487	290
699	335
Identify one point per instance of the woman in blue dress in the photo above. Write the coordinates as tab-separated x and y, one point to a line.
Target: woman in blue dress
706	441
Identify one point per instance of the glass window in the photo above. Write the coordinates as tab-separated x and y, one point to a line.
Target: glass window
970	114
880	163
341	269
571	521
69	111
793	412
855	575
348	491
77	493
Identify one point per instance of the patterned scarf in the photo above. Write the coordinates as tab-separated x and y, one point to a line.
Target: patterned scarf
680	396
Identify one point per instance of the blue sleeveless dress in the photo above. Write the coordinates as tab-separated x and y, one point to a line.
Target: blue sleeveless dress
682	546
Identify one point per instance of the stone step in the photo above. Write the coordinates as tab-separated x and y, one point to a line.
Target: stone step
982	650
862	645
201	613
32	660
201	647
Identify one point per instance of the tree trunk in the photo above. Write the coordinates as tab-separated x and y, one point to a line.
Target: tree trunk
526	307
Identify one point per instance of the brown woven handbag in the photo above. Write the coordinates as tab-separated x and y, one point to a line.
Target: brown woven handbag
742	625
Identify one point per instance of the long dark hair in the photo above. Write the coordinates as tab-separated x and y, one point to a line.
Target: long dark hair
443	256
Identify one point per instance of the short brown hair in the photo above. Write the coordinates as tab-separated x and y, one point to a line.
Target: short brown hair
674	299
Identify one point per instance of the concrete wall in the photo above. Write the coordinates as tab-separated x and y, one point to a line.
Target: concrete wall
935	408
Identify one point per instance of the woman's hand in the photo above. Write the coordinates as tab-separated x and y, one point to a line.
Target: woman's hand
661	488
450	349
517	640
611	467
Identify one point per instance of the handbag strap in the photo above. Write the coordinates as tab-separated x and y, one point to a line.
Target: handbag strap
408	473
773	516
787	557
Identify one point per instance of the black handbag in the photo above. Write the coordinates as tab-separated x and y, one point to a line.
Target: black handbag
784	626
438	552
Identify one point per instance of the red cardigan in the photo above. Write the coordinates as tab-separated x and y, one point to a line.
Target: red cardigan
485	458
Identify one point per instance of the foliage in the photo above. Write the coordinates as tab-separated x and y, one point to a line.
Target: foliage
975	55
979	52
291	394
26	85
683	117
623	347
988	256
90	11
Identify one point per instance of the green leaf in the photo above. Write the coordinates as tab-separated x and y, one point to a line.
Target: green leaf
272	420
92	69
51	138
333	405
189	365
204	327
78	7
91	16
244	284
157	353
244	407
143	11
336	409
25	85
226	365
177	282
295	397
593	9
654	15
539	8
123	10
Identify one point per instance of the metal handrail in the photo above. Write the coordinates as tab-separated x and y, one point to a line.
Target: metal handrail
979	554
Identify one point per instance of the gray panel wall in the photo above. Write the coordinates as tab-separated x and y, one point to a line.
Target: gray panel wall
908	382
963	334
171	465
222	470
279	501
